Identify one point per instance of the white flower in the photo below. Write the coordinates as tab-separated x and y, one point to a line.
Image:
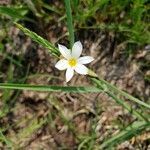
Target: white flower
72	60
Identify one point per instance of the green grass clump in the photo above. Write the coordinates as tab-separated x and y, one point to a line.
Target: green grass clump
128	18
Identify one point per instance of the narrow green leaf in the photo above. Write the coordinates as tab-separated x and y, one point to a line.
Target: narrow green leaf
69	22
12	59
49	88
53	9
132	130
32	7
115	89
34	125
5	140
127	107
39	40
15	13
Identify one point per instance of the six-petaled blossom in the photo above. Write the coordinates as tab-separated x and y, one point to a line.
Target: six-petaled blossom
72	60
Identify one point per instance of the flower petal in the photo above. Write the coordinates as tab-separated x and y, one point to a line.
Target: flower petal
64	51
85	59
77	49
81	69
62	64
69	74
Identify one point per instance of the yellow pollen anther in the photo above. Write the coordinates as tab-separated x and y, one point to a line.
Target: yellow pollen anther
72	62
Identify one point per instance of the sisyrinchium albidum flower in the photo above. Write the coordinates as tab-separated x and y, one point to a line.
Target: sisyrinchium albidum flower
72	60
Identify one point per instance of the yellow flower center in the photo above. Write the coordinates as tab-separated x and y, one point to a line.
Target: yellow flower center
72	62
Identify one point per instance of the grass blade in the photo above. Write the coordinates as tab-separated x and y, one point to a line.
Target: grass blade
15	13
132	130
127	107
39	40
50	8
69	22
100	82
5	140
48	88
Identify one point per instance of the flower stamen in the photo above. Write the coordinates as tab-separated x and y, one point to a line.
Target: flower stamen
72	62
